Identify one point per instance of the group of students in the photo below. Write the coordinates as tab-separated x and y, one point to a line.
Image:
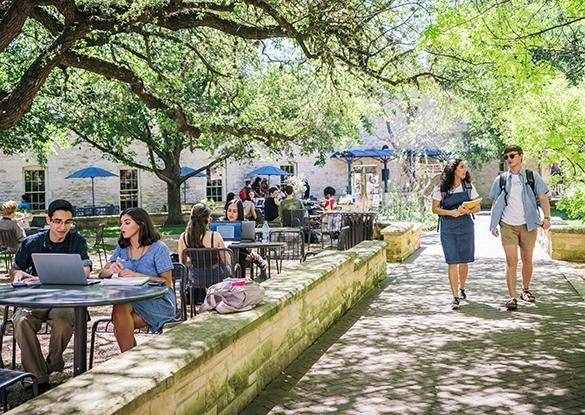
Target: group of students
517	195
139	253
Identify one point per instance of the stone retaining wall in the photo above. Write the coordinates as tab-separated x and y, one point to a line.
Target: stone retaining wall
403	239
216	364
565	243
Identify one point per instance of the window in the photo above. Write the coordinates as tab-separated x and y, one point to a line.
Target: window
290	168
215	183
34	186
128	188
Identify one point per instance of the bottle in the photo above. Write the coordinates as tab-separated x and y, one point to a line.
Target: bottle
265	232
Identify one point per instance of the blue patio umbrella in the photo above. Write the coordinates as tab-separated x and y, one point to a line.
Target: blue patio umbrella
184	172
91	173
188	170
269	171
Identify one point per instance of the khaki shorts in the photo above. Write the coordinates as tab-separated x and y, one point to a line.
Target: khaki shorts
518	236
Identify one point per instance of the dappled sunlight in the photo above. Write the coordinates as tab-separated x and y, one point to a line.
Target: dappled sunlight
403	350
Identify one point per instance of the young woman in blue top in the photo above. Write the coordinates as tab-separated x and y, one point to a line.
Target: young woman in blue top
140	253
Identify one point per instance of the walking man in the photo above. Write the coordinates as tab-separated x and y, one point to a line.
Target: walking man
517	193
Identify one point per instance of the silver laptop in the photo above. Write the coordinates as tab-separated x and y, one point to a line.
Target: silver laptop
248	230
61	269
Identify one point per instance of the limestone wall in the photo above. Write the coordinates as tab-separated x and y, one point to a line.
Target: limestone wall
216	364
403	239
566	243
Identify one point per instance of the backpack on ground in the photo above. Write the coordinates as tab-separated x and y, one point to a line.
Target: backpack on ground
233	295
529	180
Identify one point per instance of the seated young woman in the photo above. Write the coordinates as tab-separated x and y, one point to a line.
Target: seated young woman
249	206
198	235
140	253
235	212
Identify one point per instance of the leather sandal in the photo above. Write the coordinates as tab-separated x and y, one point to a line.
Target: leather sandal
511	304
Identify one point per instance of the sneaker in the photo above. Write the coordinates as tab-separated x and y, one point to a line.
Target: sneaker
454	303
511	304
462	295
527	296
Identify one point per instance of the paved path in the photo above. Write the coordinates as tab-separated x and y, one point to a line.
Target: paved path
402	350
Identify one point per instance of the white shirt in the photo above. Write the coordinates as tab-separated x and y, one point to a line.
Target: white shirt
438	196
514	212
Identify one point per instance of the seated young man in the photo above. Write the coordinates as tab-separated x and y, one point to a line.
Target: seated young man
288	204
27	321
272	205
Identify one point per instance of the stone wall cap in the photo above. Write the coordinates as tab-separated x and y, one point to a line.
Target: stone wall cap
397	227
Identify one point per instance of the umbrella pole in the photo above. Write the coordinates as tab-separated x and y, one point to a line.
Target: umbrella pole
92	197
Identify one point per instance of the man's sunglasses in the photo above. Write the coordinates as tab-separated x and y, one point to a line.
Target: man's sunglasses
510	156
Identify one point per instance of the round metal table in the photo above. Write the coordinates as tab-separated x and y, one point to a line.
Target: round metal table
78	298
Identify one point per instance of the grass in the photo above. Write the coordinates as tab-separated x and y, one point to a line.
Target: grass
114	231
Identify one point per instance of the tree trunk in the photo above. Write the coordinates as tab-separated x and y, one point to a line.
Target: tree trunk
175	216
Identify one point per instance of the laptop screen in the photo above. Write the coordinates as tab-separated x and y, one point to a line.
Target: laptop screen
229	231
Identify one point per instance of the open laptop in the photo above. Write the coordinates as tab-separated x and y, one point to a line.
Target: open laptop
235	231
61	269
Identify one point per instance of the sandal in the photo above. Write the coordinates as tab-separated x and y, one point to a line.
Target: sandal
527	296
511	304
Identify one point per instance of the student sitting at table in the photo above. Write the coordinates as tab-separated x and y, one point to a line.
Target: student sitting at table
198	235
271	205
288	204
140	253
235	212
24	202
9	223
328	203
249	206
58	240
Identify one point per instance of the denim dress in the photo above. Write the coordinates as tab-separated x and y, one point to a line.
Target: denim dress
156	311
457	234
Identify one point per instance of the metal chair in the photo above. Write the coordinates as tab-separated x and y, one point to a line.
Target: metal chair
99	245
8	243
294	249
208	266
293	218
10	377
179	286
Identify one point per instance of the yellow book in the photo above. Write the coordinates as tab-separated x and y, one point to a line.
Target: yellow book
472	204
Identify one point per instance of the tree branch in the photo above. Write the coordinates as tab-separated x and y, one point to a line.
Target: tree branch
14	105
12	21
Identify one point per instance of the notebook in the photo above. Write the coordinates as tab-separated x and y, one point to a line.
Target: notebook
125	281
61	269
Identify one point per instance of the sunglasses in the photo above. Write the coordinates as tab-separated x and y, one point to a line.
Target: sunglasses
510	156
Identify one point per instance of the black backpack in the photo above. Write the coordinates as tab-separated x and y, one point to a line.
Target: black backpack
529	179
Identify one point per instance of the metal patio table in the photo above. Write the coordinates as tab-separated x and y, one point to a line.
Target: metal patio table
265	249
78	298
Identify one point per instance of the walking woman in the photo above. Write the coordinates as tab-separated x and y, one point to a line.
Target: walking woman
456	224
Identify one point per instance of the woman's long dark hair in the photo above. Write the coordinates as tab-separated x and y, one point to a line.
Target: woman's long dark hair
230	196
197	226
147	234
448	176
239	205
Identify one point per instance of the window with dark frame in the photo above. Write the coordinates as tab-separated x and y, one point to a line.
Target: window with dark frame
35	187
214	188
128	188
289	168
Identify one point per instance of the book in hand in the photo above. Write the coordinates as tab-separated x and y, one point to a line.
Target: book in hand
125	281
472	204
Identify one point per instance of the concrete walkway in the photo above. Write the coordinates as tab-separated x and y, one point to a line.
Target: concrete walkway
403	350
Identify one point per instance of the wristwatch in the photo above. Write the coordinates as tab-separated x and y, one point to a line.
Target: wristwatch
547	218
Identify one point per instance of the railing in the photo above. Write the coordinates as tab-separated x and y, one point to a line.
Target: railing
97	211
